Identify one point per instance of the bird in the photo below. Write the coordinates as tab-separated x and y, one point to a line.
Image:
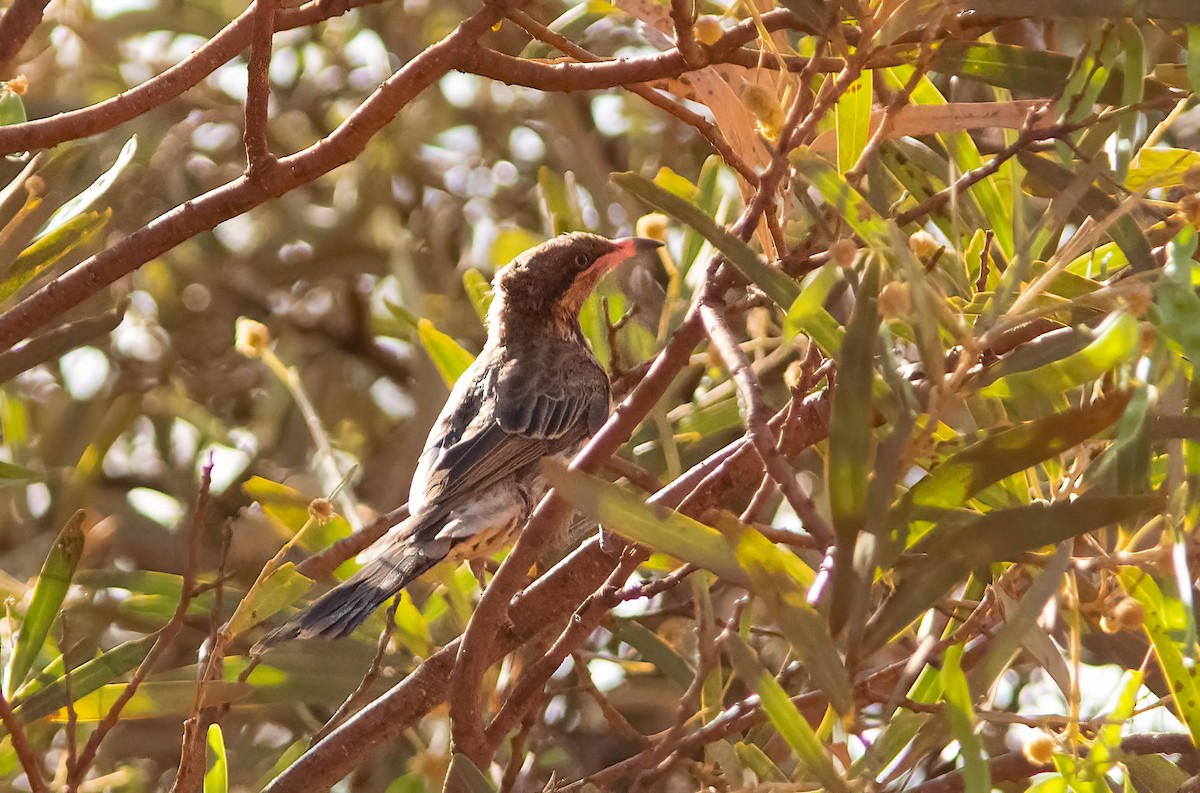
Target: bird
535	391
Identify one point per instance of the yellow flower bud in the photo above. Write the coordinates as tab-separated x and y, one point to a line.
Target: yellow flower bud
708	29
923	244
652	226
320	510
843	252
894	300
251	337
1039	747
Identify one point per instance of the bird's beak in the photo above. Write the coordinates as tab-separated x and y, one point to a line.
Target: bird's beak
626	248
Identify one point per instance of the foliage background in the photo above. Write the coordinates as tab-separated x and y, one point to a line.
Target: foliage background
933	337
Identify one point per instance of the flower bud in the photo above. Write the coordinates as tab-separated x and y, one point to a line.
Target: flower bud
320	510
1039	747
843	252
251	338
652	226
708	30
923	244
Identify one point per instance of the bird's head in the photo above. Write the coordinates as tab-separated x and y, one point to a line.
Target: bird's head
550	282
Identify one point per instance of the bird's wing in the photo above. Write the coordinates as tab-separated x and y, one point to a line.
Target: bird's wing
529	408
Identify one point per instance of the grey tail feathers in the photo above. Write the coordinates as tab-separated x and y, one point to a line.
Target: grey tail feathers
343	608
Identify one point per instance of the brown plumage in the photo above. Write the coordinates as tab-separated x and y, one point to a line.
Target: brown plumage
535	391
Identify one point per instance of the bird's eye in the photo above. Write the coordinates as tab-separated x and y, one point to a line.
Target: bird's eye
583	261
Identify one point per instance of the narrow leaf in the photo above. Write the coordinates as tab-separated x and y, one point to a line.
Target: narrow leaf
447	355
946	555
977	776
775	283
653	526
784	716
48	593
1161	624
216	775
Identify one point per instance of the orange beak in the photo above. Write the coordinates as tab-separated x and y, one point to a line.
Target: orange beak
625	249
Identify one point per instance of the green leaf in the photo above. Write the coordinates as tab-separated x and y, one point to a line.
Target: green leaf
1175	299
1193	57
1005	452
558	201
447	355
1107	746
1153	773
1094	203
12	109
511	243
479	291
50	248
1164	619
653	526
48	593
1115	342
784	716
945	556
977	775
269	596
216	775
1161	168
1026	70
16	473
775	283
653	649
469	774
852	119
81	202
85	678
843	198
154	699
807	313
784	592
849	460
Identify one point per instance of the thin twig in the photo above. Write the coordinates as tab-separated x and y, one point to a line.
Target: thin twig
166	636
706	128
756	415
368	680
29	758
258	88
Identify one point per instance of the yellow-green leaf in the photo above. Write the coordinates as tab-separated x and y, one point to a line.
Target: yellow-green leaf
447	355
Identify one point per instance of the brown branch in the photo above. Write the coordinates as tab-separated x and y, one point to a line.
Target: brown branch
102	116
583	622
20	743
322	563
232	199
682	18
1014	765
756	417
702	125
258	88
166	636
16	26
56	342
368	680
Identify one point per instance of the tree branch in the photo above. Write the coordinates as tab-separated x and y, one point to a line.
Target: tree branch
706	128
16	26
258	88
20	743
232	199
220	49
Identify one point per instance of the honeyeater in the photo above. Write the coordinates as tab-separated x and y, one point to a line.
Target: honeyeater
535	391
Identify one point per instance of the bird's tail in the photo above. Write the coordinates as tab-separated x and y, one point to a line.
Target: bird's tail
343	608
